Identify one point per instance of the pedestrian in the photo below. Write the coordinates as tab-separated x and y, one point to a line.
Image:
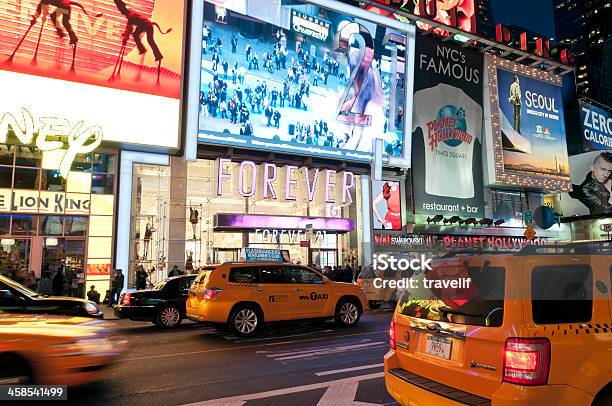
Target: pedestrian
141	278
80	282
44	286
93	295
57	285
117	286
276	117
225	66
269	112
174	272
234	43
347	274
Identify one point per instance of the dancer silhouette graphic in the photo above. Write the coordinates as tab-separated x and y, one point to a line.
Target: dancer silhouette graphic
62	12
136	25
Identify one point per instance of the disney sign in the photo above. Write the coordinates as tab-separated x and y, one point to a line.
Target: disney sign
44	131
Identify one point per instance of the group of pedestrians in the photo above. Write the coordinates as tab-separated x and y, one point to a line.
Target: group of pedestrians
341	274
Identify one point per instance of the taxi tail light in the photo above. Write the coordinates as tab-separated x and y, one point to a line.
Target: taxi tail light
210	293
526	361
392	342
126	298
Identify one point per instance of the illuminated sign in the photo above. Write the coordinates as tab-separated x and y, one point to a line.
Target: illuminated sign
453	13
32	201
527	127
81	139
260	221
264	236
116	63
309	25
596	126
250	179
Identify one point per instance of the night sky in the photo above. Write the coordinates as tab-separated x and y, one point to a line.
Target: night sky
534	15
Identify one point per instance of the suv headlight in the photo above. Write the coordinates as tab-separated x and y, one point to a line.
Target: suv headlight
91	308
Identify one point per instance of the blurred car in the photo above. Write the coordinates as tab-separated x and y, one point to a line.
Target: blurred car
54	350
377	296
164	305
532	328
244	295
16	298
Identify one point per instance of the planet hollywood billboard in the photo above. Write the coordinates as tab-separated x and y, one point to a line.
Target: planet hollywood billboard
447	127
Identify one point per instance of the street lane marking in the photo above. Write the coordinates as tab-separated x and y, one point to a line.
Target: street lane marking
305	350
359	368
233	400
342	394
332	350
249	346
249	340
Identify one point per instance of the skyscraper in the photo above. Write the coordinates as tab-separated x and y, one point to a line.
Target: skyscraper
485	23
584	26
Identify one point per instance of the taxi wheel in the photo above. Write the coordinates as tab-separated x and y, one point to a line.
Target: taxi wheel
348	312
372	304
15	371
244	321
168	317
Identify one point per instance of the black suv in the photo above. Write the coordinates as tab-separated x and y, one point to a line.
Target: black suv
164	305
16	298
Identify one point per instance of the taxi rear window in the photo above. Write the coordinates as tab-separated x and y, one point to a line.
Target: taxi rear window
481	303
201	278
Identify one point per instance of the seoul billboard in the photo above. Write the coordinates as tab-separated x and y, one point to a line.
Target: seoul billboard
285	79
528	127
114	63
447	129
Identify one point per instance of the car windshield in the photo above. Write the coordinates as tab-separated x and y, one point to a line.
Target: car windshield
20	288
480	303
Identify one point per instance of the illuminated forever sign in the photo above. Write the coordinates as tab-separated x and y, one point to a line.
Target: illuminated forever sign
250	179
79	138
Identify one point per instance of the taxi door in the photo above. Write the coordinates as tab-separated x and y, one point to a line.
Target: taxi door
309	292
273	293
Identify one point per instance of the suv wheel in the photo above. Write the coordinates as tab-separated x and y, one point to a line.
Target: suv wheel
168	317
347	313
15	371
245	321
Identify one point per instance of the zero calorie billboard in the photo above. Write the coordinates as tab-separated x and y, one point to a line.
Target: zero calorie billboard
289	80
113	63
596	124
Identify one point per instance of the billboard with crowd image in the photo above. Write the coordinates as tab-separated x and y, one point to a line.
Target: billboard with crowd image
300	79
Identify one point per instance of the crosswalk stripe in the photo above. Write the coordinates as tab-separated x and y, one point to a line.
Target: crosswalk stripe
310	349
359	368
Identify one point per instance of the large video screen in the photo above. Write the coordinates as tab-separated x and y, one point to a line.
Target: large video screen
300	79
116	64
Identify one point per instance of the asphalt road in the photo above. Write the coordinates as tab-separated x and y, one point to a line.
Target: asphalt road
293	364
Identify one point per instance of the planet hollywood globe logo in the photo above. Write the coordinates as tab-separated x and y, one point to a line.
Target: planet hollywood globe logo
449	127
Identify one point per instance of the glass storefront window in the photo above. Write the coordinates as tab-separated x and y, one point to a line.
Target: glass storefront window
75	226
51	180
26	178
51	225
24	224
4	224
102	184
6	176
509	206
6	154
82	163
27	156
104	163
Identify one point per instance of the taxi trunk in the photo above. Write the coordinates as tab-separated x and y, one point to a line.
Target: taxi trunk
446	339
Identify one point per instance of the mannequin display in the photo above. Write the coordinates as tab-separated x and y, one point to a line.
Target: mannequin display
189	262
194	219
149	230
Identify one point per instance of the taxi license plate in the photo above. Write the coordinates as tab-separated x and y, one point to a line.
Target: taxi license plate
438	347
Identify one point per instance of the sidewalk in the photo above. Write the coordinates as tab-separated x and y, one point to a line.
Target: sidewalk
108	312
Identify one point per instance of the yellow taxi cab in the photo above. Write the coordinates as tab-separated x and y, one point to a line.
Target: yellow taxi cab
378	295
244	295
532	328
54	350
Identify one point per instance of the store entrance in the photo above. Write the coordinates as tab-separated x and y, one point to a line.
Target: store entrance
324	257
